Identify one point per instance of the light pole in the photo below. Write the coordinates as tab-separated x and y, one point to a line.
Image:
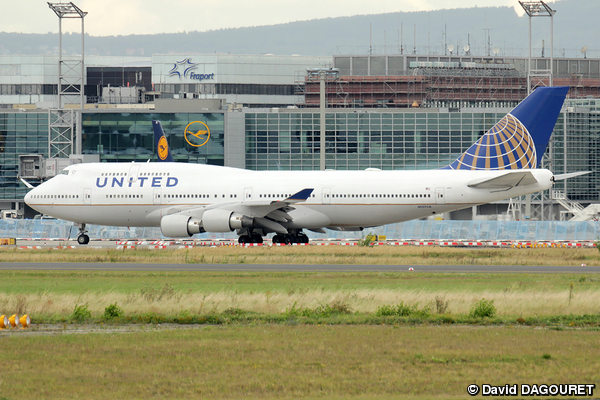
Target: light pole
324	74
71	82
539	9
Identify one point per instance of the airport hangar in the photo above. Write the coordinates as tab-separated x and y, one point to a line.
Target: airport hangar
382	111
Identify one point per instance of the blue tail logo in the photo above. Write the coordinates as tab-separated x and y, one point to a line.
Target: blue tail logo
519	140
160	141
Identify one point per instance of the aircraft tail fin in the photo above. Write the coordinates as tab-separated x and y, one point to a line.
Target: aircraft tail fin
160	142
519	140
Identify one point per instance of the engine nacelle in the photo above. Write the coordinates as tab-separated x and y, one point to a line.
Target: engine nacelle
220	220
217	220
177	225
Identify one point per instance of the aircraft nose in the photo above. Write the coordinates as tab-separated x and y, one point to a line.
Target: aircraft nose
28	196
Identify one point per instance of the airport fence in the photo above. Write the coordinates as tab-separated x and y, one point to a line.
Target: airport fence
410	230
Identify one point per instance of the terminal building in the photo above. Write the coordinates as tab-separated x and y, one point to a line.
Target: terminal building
386	111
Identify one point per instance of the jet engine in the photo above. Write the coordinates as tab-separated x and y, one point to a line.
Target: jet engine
216	220
220	220
177	225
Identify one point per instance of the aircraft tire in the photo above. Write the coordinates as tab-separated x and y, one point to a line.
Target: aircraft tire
256	238
302	238
83	239
244	239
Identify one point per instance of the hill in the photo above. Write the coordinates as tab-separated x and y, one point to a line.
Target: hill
379	33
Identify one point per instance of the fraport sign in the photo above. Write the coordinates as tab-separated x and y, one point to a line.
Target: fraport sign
201	77
185	69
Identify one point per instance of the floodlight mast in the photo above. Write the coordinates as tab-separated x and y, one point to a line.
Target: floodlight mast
68	10
539	9
323	74
71	82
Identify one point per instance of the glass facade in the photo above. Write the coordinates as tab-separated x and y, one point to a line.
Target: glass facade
20	133
578	149
290	139
128	136
359	140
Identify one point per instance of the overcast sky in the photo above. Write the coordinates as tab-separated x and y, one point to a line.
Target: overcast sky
125	17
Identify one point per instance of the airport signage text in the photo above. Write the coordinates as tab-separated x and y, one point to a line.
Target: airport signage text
201	77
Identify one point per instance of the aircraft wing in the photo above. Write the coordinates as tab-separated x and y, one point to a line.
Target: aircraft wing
506	181
295	198
261	208
269	214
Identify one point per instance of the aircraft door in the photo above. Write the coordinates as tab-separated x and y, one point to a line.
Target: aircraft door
247	193
157	197
326	195
440	197
87	197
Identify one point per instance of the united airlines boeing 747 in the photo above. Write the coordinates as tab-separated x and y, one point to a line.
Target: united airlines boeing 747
185	199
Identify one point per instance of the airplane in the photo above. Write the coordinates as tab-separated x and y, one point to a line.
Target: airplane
185	199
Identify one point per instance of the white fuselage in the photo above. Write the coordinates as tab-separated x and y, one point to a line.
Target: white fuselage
140	194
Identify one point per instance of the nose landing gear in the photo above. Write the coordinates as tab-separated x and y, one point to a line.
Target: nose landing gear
82	237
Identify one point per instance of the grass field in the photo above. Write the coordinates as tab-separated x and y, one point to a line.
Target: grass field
296	334
287	361
53	295
376	255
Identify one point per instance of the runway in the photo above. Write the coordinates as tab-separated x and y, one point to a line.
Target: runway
295	267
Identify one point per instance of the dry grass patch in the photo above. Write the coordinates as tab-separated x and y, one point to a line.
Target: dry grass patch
377	255
53	295
49	305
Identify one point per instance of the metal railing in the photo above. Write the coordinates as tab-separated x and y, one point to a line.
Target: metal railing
426	230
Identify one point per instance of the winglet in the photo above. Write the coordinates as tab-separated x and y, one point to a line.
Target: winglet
300	196
160	142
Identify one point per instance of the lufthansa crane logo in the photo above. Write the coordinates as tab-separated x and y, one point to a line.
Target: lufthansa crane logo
163	148
196	133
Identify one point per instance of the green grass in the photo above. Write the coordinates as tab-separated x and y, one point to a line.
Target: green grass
14	281
51	296
287	361
293	334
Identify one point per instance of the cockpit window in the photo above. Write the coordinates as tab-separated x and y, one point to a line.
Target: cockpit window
64	172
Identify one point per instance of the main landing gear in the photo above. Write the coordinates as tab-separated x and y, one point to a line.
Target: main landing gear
290	238
82	238
253	238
